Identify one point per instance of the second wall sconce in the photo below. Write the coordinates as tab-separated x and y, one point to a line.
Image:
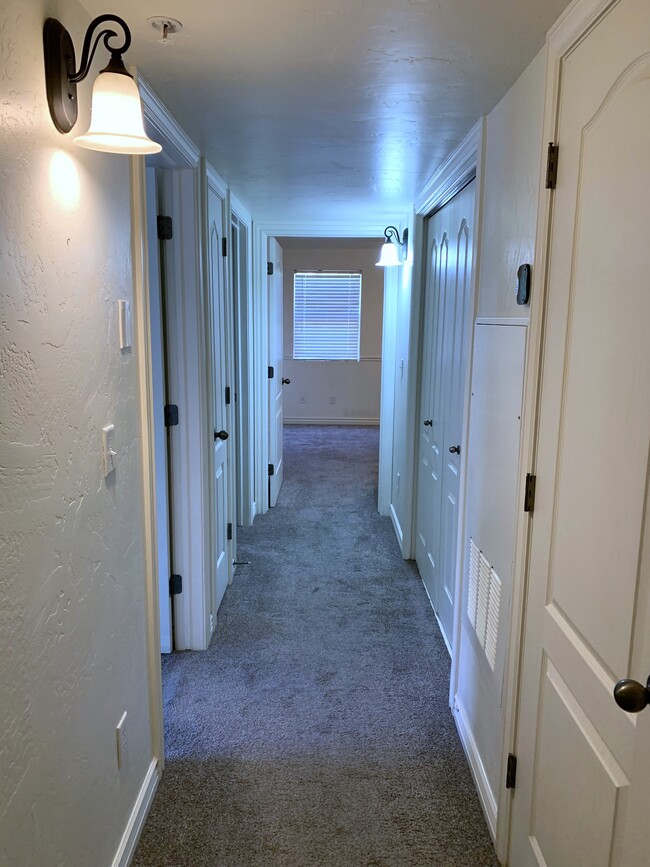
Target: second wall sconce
395	248
116	124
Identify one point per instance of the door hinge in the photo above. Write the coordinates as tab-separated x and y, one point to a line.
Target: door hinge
224	246
229	533
175	585
271	470
269	269
511	771
271	372
529	493
551	166
227	395
165	228
171	415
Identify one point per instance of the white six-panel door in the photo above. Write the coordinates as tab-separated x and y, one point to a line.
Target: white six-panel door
583	779
447	291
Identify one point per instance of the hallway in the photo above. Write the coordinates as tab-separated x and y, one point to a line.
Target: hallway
316	729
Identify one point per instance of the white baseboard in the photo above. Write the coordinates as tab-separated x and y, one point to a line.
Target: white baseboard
129	841
345	421
397	526
485	794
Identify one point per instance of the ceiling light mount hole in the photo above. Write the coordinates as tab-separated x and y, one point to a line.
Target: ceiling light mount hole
166	27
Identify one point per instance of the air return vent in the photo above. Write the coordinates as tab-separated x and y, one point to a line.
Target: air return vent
483	602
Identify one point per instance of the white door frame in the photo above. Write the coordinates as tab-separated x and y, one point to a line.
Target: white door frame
259	320
463	164
156	312
178	151
245	385
189	490
388	389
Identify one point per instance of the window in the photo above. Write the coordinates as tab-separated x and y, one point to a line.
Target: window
326	315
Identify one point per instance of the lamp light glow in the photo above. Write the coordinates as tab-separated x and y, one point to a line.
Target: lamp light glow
389	255
116	114
116	124
394	249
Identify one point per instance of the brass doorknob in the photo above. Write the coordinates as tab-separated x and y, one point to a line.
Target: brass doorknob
220	435
428	422
455	450
632	696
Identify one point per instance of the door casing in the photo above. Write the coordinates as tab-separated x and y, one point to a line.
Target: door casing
259	318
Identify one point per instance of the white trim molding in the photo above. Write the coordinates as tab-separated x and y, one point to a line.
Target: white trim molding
129	841
485	794
321	420
457	170
178	146
142	329
323	229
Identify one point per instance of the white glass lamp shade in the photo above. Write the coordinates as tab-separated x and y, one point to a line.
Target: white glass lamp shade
116	124
389	255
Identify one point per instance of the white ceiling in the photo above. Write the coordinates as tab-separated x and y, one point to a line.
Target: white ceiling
332	109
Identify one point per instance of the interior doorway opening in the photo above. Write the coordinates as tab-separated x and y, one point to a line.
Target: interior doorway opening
325	330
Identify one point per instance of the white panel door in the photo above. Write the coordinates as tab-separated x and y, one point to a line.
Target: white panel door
429	460
458	286
221	487
275	381
447	287
583	784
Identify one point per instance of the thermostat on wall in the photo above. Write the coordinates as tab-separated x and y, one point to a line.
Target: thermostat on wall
523	284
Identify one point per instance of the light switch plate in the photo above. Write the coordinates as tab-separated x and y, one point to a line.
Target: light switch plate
124	322
108	452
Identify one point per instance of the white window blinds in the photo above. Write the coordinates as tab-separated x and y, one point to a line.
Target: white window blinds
326	314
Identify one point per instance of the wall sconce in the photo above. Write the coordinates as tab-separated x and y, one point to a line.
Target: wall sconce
395	248
116	124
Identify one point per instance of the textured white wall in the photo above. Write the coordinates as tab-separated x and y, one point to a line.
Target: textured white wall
72	623
354	385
